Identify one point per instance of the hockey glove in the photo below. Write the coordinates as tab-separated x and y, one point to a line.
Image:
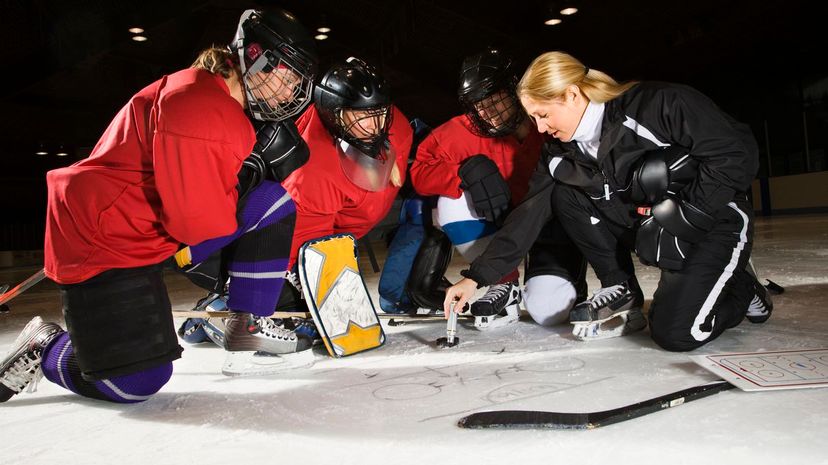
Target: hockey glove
481	179
281	148
666	239
250	175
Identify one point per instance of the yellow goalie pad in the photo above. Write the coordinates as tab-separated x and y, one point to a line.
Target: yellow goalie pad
337	297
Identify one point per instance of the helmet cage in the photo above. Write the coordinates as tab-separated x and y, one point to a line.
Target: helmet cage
497	113
369	132
262	51
275	88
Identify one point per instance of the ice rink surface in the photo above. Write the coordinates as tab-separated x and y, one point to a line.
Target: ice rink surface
400	403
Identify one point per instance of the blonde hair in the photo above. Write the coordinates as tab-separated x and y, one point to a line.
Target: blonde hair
217	61
551	73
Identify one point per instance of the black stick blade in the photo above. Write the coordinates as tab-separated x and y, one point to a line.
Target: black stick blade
517	419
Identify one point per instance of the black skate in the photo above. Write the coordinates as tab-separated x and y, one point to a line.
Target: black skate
498	307
611	312
761	305
21	366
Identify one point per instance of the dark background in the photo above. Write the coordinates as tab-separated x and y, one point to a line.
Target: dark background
70	65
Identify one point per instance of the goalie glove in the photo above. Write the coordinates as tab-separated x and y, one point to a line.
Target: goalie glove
481	179
666	239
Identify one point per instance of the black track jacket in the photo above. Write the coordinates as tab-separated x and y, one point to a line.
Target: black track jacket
646	117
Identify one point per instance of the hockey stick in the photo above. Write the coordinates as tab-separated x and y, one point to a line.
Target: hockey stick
526	419
19	289
226	314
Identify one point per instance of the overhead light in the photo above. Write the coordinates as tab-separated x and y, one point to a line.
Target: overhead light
323	29
136	30
139	38
569	11
41	152
320	37
553	21
62	153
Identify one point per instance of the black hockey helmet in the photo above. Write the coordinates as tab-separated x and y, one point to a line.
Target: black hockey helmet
487	93
278	61
355	87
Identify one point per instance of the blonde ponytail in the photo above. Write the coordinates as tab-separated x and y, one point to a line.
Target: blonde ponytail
551	73
217	61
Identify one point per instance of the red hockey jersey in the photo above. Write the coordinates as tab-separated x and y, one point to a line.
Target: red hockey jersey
327	202
163	173
434	171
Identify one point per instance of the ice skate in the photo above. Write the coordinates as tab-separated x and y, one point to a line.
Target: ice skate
611	312
761	305
498	307
198	330
21	366
257	345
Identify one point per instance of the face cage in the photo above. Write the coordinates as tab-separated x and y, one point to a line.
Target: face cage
507	118
276	89
369	144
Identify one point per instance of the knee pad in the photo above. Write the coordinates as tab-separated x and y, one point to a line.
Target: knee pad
120	322
549	298
426	285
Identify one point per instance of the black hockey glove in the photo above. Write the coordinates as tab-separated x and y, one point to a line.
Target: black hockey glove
251	175
489	192
281	148
666	239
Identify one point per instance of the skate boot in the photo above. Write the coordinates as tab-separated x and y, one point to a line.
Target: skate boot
258	345
195	330
498	307
761	306
611	312
304	327
21	366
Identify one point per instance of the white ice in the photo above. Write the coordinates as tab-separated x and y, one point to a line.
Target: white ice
400	403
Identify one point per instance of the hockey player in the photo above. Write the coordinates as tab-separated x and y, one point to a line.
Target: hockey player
479	164
163	174
359	142
653	167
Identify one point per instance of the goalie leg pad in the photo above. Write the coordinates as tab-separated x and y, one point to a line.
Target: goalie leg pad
120	322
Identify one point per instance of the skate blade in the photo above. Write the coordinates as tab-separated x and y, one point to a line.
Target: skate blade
619	325
250	363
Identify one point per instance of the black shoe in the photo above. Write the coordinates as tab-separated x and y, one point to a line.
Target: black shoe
496	299
607	303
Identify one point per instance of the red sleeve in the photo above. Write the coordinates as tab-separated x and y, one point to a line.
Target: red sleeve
434	170
196	180
317	203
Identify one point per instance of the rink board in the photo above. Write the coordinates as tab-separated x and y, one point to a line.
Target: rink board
762	371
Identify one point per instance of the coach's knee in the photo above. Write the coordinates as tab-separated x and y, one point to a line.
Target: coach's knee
549	299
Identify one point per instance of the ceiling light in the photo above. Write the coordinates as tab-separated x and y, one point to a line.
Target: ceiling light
320	37
323	29
139	38
136	30
552	22
62	153
41	152
569	11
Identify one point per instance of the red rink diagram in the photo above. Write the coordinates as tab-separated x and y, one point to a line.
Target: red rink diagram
757	371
